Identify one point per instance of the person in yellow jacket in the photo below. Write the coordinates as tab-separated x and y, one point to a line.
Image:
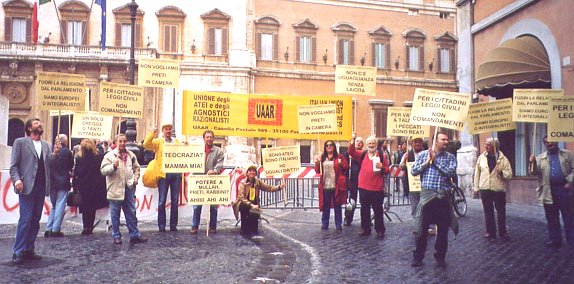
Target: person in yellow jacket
167	181
491	173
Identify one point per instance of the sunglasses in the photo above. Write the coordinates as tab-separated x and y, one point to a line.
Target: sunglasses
330	145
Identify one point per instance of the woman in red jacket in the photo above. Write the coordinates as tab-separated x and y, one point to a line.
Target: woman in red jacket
333	184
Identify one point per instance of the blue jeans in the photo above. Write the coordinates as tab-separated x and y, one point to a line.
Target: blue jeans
29	222
328	197
58	199
197	216
129	207
171	181
562	206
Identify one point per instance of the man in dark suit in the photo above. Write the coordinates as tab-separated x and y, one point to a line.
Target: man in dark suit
30	174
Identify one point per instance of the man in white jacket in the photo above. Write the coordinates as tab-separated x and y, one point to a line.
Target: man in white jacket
491	173
122	171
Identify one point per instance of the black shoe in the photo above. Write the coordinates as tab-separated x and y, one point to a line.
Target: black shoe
324	228
553	244
505	238
440	263
47	234
30	255
118	241
138	240
86	232
17	259
173	229
365	233
56	234
339	229
380	235
347	223
417	263
162	230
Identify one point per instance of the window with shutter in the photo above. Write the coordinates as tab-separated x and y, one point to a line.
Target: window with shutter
306	43
123	31
8	29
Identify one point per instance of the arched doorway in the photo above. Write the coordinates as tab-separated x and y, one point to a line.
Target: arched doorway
15	130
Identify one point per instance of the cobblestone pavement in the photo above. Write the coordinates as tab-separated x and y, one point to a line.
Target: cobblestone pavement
293	249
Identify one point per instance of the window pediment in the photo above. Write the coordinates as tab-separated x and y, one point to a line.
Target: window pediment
305	25
124	11
446	37
215	15
380	31
17	4
343	27
170	12
74	6
414	34
17	8
268	20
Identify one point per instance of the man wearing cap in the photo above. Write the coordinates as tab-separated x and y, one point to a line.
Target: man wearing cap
167	181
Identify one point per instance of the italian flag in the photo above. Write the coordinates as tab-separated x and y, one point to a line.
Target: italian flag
35	23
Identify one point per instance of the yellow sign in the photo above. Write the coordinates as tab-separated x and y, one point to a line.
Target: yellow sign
121	100
92	125
60	91
356	80
281	160
561	119
531	105
159	73
491	116
208	189
414	181
398	124
181	158
440	108
270	116
317	119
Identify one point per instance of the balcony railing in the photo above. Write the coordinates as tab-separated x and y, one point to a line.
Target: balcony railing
70	51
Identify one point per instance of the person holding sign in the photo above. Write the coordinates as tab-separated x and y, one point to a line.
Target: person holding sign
248	200
213	166
555	170
490	175
353	183
415	196
374	165
333	184
436	167
122	172
167	181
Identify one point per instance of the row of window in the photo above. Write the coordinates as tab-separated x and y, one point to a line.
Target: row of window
267	46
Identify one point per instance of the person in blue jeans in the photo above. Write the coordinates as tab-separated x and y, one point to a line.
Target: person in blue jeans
213	166
61	164
168	181
122	170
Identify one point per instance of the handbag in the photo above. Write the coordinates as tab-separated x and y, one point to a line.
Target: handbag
151	176
74	198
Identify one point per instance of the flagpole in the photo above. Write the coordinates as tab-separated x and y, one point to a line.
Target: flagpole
87	21
60	23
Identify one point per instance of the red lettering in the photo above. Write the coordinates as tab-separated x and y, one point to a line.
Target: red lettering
146	203
5	190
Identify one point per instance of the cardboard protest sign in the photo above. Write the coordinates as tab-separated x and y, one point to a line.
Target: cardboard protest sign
491	116
121	100
531	105
281	160
317	119
355	80
208	189
160	73
414	181
181	158
92	125
561	119
398	124
60	91
440	108
272	116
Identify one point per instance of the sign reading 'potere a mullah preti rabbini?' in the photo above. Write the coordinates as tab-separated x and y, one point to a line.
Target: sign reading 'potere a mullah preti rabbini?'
60	91
208	189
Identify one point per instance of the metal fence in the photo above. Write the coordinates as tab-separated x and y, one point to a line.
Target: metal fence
303	193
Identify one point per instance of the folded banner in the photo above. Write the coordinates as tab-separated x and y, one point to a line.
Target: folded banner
273	116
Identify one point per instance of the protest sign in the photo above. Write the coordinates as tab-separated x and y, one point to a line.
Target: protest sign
440	108
281	160
121	100
491	116
270	116
355	80
561	119
414	181
160	73
208	189
60	91
317	119
181	158
398	124
92	125
531	105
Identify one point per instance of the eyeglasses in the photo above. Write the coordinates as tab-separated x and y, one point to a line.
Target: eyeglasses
330	145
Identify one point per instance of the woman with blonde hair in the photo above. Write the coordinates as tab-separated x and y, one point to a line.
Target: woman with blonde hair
90	183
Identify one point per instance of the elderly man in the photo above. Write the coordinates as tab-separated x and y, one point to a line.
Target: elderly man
436	167
30	175
122	170
374	165
61	164
490	175
167	181
555	170
353	182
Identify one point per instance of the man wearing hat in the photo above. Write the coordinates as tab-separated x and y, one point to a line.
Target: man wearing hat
167	180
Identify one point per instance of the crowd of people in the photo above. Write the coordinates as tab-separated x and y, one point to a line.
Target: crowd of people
106	175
